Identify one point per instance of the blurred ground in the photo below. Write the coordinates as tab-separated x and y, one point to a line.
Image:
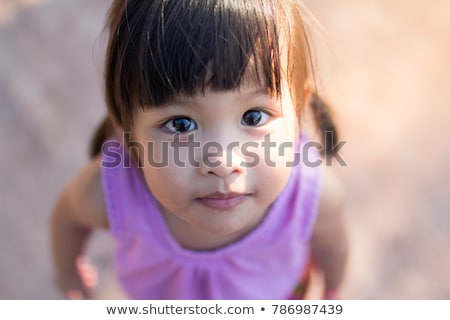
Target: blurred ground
384	65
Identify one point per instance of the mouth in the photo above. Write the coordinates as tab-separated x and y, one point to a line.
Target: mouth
223	201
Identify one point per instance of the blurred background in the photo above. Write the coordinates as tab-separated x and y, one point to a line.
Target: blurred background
383	65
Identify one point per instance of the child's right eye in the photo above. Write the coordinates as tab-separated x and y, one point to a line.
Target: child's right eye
180	125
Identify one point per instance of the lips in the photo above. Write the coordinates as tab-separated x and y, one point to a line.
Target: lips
223	201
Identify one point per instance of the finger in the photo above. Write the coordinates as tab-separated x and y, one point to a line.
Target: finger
332	295
90	279
88	273
74	295
82	261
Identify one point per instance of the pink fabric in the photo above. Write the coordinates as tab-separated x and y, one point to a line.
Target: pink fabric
265	264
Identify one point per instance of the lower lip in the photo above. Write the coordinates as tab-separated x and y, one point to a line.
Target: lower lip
223	204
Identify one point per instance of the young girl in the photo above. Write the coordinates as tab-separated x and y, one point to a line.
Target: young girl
199	179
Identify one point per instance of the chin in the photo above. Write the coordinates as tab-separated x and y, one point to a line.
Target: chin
227	227
221	229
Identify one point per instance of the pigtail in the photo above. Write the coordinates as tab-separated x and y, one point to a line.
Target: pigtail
104	131
324	120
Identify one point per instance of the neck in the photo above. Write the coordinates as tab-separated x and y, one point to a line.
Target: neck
195	239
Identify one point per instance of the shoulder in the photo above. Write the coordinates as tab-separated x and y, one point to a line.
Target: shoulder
84	197
331	203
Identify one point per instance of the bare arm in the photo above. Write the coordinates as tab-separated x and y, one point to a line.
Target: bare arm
329	240
78	211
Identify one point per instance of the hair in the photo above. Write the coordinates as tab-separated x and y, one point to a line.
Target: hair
159	49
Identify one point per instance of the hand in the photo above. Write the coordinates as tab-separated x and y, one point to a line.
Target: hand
332	295
79	285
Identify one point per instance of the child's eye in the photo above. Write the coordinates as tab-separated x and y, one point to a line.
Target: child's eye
180	125
254	118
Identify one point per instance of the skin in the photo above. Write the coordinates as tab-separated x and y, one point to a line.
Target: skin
77	212
201	209
184	204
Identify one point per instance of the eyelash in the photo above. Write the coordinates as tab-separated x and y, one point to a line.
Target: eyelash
166	124
265	115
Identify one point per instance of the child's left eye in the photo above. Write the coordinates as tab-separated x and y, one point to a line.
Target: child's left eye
254	118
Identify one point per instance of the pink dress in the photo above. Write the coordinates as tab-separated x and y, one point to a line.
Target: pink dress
268	263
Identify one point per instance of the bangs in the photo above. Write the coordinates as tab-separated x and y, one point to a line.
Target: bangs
160	49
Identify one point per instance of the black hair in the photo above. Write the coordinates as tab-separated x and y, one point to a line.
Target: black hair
159	49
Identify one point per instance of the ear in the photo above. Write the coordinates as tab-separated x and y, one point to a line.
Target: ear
126	138
305	112
117	129
302	105
306	93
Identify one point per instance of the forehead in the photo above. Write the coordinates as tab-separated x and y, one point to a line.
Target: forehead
184	55
251	85
209	98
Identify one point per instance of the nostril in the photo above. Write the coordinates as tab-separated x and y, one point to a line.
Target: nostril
218	168
220	161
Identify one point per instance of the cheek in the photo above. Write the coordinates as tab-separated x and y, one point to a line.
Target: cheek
271	181
283	141
156	179
276	157
177	154
157	154
169	191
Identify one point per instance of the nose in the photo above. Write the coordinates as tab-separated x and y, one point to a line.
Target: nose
221	161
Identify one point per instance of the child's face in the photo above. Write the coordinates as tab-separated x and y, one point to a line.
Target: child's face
204	191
